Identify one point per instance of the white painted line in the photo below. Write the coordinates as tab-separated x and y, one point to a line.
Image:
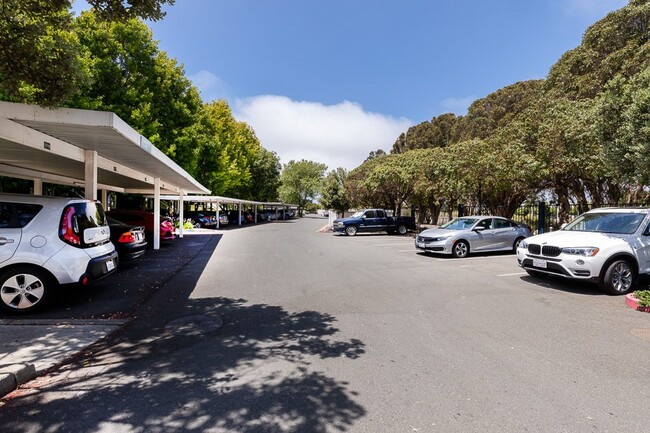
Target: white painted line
393	245
512	275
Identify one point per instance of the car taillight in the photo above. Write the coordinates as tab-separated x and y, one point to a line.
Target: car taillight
69	230
127	237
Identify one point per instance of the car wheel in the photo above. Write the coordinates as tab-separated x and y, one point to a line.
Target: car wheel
25	289
460	249
401	230
351	230
516	244
618	278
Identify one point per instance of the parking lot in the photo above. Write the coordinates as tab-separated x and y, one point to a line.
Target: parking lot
323	332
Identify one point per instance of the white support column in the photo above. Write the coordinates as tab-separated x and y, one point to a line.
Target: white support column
255	220
156	213
181	209
38	186
218	209
91	174
104	199
239	213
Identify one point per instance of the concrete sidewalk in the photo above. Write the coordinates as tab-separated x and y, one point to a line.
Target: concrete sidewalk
30	347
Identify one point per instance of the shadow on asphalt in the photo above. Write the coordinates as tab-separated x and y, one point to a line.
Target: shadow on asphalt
564	285
250	375
117	296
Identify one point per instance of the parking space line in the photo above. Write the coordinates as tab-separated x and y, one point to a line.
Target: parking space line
512	275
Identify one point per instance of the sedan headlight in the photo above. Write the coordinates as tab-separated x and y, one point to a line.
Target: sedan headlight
440	239
523	244
581	251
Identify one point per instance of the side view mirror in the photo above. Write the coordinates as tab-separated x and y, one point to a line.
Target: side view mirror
478	229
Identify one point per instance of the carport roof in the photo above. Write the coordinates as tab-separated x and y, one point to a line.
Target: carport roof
50	144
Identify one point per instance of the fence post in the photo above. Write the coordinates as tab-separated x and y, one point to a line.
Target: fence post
541	217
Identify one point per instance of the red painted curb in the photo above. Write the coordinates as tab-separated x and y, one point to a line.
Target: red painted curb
633	302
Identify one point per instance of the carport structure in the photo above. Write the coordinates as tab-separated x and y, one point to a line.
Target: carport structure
93	149
219	200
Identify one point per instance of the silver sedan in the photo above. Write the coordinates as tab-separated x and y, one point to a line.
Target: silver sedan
474	234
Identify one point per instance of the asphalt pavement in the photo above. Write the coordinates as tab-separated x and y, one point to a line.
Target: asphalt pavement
79	317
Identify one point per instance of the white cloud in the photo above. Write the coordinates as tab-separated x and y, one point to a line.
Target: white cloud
340	135
457	106
210	86
593	8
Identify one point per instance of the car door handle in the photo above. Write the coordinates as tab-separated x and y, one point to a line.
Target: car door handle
4	241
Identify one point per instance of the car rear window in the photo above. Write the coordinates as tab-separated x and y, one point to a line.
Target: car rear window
89	215
17	215
80	222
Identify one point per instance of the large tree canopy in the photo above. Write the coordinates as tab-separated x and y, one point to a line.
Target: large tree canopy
582	136
40	57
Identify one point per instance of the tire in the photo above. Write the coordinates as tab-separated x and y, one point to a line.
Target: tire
351	230
515	245
25	289
402	230
618	278
460	249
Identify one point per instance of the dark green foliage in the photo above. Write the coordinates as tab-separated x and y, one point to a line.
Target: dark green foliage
582	136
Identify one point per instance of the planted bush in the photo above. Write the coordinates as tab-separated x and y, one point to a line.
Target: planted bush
644	297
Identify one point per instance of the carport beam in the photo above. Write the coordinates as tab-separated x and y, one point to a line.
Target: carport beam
217	214
90	180
156	213
38	186
180	214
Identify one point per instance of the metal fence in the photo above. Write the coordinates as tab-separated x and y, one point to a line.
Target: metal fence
541	217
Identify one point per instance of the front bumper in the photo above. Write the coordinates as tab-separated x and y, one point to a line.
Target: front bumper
567	266
440	247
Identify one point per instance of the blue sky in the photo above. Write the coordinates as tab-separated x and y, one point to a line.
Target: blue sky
331	81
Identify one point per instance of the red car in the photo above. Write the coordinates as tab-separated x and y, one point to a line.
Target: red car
144	219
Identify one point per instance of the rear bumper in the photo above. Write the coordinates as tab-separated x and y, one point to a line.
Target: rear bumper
99	267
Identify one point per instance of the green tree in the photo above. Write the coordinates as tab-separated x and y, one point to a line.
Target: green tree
265	176
301	182
124	9
131	77
227	150
40	60
439	132
333	195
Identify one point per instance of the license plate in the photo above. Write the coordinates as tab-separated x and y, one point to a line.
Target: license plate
539	263
110	265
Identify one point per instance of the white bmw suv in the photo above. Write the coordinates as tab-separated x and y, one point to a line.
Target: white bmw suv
47	241
608	246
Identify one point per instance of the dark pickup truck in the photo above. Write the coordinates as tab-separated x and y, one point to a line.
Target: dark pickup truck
373	220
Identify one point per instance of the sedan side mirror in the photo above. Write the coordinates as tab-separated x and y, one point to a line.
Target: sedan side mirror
478	229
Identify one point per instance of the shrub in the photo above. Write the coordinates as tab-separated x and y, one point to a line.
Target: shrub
644	297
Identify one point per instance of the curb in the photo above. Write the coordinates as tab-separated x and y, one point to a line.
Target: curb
14	375
633	302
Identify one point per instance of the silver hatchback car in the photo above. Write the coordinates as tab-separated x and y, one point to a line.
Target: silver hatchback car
473	234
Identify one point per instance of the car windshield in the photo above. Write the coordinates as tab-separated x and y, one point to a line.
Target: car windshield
614	222
460	224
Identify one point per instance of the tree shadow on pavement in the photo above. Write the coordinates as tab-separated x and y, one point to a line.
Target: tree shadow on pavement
174	369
